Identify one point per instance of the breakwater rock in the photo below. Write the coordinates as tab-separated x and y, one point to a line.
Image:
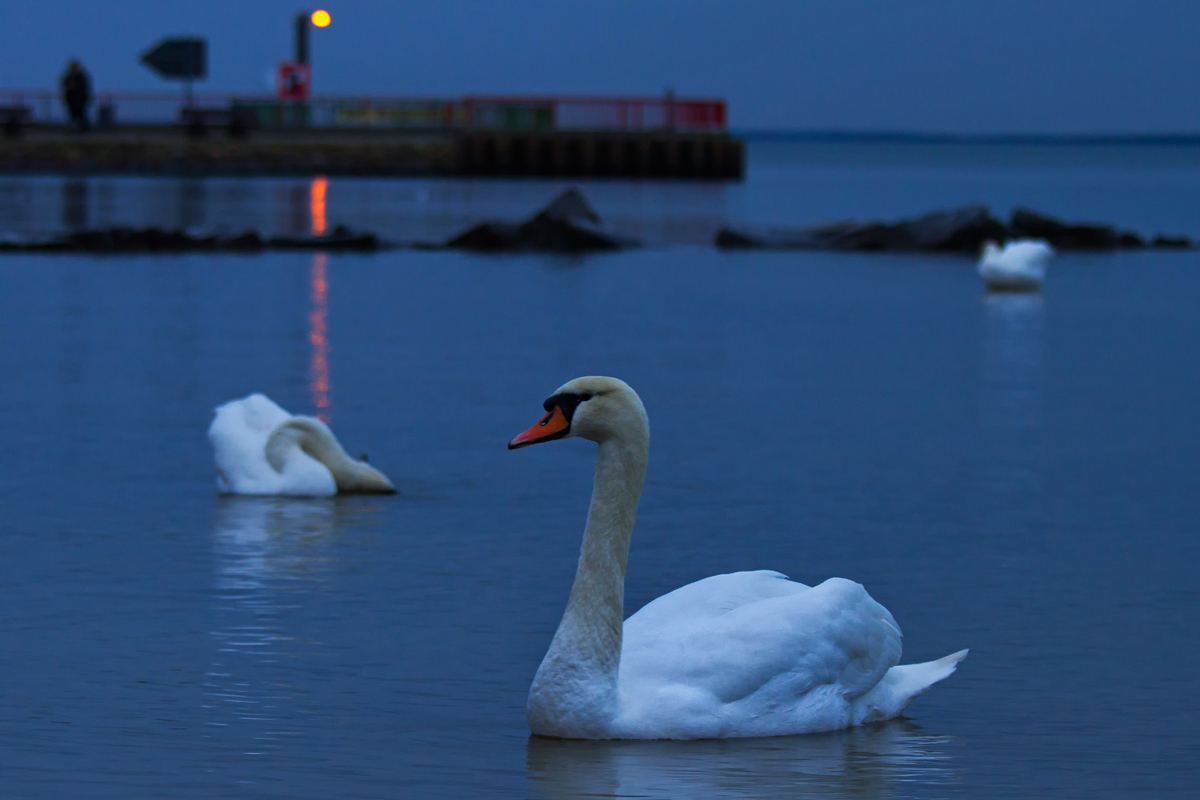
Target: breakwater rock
567	225
119	240
962	230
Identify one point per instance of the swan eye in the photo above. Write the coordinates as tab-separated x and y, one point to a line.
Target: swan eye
566	401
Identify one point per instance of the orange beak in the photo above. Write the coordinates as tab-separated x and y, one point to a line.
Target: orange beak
552	426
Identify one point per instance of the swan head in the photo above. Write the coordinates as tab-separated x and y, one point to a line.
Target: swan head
359	477
594	407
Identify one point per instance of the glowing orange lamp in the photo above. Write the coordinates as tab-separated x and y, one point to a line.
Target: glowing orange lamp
321	18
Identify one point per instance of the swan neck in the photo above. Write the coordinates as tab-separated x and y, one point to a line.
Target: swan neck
580	670
319	442
314	438
616	491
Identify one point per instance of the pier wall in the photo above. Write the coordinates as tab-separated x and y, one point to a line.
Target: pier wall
230	150
659	155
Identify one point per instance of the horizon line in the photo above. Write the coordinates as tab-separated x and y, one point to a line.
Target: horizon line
946	137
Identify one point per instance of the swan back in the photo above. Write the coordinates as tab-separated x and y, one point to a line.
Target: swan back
240	420
1021	264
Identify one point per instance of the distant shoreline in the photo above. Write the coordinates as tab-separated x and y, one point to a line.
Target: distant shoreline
901	137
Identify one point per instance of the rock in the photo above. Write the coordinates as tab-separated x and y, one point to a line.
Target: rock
959	230
962	230
732	239
156	240
567	225
767	239
340	238
486	237
570	206
128	239
1026	224
250	240
1164	242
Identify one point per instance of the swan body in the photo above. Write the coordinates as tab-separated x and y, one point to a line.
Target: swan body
742	654
260	449
1020	266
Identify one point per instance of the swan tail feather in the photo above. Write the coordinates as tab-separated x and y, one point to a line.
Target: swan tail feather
909	680
900	685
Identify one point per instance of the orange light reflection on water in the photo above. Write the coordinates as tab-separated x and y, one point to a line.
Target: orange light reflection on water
316	204
318	337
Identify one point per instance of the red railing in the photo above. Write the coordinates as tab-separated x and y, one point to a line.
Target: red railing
595	113
486	112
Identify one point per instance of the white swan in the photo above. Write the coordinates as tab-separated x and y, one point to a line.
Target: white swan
261	449
743	654
1019	267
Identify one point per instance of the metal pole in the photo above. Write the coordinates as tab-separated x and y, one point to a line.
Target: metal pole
193	68
299	107
302	38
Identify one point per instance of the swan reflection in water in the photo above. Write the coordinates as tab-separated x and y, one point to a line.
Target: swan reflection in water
1012	370
1011	466
270	553
867	762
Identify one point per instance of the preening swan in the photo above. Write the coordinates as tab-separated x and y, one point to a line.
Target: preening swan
743	654
261	449
1019	267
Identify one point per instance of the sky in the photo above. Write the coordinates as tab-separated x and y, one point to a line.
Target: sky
958	66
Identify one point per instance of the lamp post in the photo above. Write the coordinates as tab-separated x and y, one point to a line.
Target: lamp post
295	76
318	19
301	56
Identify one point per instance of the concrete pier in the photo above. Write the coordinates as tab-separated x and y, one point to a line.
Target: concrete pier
225	149
602	154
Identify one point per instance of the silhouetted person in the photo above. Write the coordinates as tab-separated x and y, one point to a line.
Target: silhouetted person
77	93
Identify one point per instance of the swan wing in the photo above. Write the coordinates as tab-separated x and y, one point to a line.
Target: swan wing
711	598
257	413
1024	257
1028	257
239	435
753	654
1025	250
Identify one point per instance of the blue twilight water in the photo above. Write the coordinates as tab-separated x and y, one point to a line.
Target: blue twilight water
1017	475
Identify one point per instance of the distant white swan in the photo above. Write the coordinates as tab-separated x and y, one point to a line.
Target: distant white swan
1020	266
743	654
261	449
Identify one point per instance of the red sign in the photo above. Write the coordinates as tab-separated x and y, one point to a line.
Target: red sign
293	80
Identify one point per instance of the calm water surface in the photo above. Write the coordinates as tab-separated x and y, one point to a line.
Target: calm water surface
1017	475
